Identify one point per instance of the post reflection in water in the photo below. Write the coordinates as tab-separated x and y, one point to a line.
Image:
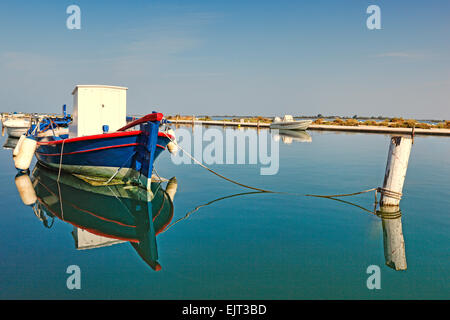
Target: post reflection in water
104	215
393	241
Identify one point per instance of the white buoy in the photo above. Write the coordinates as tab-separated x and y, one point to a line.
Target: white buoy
397	163
26	190
23	160
172	145
18	145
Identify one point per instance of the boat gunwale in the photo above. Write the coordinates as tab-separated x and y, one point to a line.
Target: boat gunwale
101	136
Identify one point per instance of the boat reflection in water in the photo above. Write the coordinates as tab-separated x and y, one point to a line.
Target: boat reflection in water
10	143
288	136
105	215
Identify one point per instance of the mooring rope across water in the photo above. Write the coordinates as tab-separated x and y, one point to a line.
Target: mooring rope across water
57	180
389	193
218	174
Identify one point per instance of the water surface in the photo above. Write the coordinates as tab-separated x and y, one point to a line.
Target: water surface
256	245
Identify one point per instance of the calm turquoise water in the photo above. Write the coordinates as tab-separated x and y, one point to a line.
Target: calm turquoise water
254	246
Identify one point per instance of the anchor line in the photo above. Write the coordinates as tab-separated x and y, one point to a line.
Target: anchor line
186	216
386	192
218	174
57	180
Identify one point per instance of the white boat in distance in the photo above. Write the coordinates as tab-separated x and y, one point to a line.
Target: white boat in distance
289	123
15	127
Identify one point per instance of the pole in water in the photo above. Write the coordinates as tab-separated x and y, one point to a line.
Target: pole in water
397	164
393	241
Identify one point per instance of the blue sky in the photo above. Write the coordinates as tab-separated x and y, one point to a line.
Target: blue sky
231	57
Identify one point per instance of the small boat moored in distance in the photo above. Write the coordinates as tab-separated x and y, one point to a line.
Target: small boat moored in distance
289	123
16	126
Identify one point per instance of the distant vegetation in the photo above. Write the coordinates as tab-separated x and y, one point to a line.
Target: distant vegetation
339	121
208	118
393	123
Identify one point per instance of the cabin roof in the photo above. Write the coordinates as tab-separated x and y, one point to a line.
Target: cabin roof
96	86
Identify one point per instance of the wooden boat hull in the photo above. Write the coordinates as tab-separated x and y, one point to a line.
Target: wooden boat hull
127	155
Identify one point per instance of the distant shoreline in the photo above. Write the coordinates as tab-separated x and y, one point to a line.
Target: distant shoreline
379	118
323	127
329	123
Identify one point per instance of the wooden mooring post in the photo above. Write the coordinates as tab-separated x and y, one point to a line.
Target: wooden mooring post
397	164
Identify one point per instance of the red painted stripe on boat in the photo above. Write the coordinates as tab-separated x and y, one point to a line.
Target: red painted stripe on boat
164	134
100	217
90	150
146	118
78	208
94	231
160	209
93	137
167	223
158	145
102	136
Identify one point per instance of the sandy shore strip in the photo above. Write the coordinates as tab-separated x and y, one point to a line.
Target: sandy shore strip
362	128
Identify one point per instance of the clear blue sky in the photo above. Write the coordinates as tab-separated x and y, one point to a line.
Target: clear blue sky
231	57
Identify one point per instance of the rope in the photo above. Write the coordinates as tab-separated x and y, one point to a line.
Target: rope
160	180
60	159
51	125
218	174
340	195
383	191
207	204
117	171
57	181
390	193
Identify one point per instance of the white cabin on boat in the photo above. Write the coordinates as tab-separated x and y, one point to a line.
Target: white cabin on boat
96	106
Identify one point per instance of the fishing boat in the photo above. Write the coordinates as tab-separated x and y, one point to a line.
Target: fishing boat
91	151
123	155
288	123
105	215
